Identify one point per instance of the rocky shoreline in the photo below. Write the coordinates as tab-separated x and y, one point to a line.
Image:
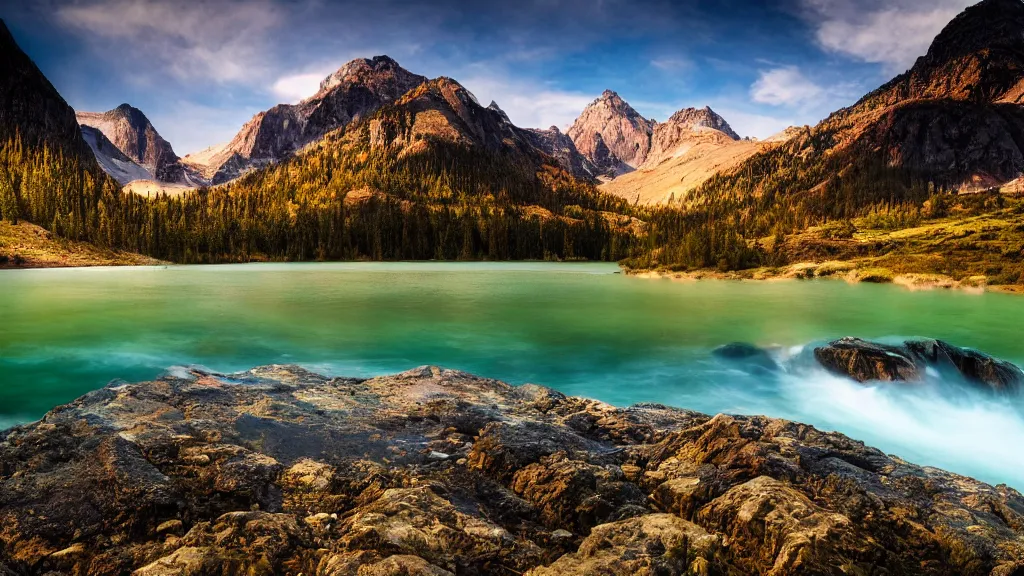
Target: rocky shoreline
431	472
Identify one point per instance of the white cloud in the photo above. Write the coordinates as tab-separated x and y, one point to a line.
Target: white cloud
296	87
785	86
219	40
892	33
528	104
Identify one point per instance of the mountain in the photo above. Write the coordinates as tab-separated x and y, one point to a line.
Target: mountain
354	91
686	150
558	145
443	113
649	162
953	121
686	127
31	107
131	132
612	135
113	161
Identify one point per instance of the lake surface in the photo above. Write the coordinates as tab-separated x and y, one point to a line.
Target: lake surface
579	328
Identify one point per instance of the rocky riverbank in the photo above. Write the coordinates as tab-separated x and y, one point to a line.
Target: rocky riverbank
431	472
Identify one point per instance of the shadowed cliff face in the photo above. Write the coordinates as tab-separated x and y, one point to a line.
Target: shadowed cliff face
31	107
279	470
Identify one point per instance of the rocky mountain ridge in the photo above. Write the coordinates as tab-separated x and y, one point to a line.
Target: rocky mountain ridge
953	120
353	92
436	472
673	156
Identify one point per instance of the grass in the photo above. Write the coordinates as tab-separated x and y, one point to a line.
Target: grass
978	244
967	248
28	246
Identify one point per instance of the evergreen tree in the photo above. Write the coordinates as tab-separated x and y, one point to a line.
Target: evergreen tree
9	209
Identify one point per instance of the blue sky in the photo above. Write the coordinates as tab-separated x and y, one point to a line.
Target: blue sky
200	69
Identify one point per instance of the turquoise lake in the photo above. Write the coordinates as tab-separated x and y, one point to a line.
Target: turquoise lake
583	329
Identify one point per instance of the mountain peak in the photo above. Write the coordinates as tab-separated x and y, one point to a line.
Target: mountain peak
977	57
364	70
705	117
133	115
129	130
988	24
612	135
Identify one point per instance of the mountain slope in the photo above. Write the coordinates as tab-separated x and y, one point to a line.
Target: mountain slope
134	136
674	178
112	159
953	121
612	135
355	91
684	129
686	150
31	107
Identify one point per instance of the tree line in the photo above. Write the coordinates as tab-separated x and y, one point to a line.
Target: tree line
347	201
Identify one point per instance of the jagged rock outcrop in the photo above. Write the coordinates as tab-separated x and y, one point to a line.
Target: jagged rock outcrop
282	471
612	135
30	107
353	92
134	136
869	361
555	144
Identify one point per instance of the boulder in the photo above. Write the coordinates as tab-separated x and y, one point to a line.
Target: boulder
975	367
867	361
746	354
870	361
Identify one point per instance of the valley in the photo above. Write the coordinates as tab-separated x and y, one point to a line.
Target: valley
382	329
382	163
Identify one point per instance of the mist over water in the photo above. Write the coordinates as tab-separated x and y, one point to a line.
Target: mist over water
579	328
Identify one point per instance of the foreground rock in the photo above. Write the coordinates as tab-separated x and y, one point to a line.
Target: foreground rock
868	361
433	472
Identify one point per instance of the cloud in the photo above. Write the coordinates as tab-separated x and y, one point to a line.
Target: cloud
218	40
296	87
527	103
672	64
892	33
785	86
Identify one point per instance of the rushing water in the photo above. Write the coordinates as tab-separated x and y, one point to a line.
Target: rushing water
579	328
